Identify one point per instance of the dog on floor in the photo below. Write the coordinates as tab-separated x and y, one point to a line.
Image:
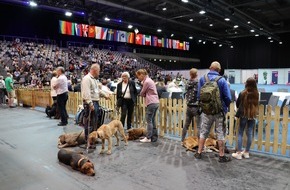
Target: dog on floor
77	161
106	132
71	139
191	143
136	133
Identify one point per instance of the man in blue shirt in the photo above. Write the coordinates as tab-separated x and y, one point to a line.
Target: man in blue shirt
207	120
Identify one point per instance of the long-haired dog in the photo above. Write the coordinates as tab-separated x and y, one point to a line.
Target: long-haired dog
106	131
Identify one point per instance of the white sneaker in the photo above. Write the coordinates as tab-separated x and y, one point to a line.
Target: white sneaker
237	155
246	154
145	140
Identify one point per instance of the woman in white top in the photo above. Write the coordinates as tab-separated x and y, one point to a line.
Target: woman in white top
128	92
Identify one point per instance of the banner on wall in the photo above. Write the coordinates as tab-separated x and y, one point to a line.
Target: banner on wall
232	77
274	77
288	77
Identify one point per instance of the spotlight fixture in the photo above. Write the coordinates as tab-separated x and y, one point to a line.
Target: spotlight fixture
190	37
190	20
204	42
269	38
210	25
154	59
232	47
107	19
236	26
164	9
32	4
83	13
172	35
160	59
261	28
227	19
68	13
184	1
170	60
280	43
202	12
130	26
271	41
220	45
174	61
213	42
199	41
252	30
249	22
256	35
136	31
159	30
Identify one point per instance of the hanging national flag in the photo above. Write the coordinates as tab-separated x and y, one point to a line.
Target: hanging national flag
104	33
85	30
159	42
174	44
78	29
163	42
66	28
169	45
139	39
186	47
110	35
154	41
147	39
91	32
122	36
130	37
177	44
181	45
62	27
98	31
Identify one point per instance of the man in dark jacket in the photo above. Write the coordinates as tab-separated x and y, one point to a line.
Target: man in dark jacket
126	90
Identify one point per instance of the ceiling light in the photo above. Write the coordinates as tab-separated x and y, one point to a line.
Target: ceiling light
136	30
159	30
236	26
236	32
232	47
160	59
227	19
271	41
199	41
280	42
252	30
220	45
184	1
164	9
174	61
210	25
249	22
130	26
202	12
204	42
269	38
32	4
83	13
261	28
190	20
170	60
256	35
172	35
107	19
190	37
154	59
67	13
213	42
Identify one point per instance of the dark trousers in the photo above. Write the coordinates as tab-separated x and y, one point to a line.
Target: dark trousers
151	111
127	110
61	104
91	124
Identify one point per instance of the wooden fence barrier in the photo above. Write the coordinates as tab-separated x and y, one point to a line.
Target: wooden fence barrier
271	133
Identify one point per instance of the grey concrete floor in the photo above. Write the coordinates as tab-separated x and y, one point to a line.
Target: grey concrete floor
28	161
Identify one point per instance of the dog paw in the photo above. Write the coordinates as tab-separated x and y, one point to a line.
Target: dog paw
126	144
102	152
109	152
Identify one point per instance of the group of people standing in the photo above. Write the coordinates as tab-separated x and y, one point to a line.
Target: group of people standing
91	92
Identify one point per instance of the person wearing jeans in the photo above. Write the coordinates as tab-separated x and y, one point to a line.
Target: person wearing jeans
149	91
247	105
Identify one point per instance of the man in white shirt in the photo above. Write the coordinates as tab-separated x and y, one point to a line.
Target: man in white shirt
91	92
61	88
53	80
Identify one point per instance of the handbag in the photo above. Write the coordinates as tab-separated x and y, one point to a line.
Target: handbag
120	100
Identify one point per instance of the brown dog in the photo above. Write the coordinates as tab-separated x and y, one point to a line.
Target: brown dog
106	131
134	134
71	139
76	161
190	143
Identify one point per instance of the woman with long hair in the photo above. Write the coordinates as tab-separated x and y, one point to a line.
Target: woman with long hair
247	105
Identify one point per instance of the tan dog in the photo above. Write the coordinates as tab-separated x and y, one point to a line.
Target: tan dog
106	131
134	134
210	144
190	143
71	139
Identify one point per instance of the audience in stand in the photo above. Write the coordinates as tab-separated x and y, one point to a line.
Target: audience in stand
127	93
247	104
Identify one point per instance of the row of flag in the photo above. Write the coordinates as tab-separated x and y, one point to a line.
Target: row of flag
101	33
148	40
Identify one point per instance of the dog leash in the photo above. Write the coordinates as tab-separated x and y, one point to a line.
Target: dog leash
89	123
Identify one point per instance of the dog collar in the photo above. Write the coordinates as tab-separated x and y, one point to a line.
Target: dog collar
81	160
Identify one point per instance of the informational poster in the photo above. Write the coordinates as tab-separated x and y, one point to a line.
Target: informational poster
288	77
232	77
274	77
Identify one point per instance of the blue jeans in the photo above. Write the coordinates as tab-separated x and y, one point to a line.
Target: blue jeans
243	123
151	123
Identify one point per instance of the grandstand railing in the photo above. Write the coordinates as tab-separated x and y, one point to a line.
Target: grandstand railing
271	133
27	39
